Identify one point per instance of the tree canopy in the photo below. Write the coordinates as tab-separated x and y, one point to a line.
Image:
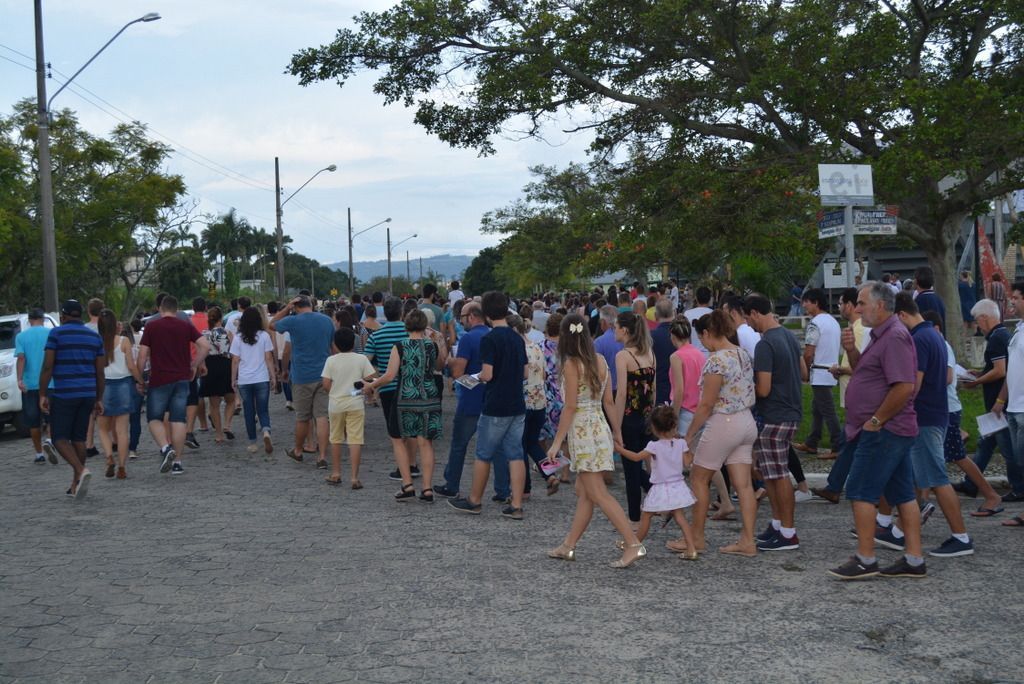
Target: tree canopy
929	92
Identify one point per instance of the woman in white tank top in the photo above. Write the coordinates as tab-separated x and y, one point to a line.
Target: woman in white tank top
121	375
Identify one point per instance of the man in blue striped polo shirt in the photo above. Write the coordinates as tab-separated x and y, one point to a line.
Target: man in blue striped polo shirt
75	360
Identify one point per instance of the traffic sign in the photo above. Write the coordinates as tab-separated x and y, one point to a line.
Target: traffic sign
845	184
334	292
880	220
830	224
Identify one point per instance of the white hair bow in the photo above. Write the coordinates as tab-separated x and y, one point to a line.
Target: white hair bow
576	328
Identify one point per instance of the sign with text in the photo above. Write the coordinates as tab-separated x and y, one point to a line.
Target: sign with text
845	184
835	273
880	220
830	224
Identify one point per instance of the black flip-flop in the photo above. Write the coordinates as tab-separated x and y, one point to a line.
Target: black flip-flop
983	512
1015	521
331	481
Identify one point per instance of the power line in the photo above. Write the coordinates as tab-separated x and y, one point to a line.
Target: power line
188	153
220	169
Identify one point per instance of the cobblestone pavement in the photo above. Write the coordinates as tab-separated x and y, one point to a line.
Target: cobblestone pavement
250	569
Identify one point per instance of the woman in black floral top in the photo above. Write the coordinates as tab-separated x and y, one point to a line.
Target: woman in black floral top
634	401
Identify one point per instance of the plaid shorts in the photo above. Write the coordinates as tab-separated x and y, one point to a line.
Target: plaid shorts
771	450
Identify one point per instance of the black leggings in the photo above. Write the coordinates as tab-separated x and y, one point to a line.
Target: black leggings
635	437
531	441
795	467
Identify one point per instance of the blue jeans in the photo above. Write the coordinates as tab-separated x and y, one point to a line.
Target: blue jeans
841	468
463	429
135	420
881	465
531	439
1010	443
255	401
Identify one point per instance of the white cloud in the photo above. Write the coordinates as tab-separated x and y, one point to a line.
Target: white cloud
210	76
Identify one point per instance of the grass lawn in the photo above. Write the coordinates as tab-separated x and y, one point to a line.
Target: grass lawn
971	400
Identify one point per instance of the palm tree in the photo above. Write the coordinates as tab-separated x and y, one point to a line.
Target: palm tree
227	237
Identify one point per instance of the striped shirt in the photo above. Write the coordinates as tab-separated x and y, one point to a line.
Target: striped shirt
76	348
379	347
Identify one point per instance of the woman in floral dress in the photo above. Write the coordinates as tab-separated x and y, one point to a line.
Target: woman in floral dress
414	361
552	380
588	395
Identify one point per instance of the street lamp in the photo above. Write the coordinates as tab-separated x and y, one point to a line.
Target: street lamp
280	213
50	298
351	277
391	247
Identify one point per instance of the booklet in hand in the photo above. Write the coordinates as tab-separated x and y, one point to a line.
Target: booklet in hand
469	381
549	468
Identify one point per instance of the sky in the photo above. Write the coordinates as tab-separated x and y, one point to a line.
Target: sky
208	79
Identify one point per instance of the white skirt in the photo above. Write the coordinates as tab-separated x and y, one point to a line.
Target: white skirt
668	496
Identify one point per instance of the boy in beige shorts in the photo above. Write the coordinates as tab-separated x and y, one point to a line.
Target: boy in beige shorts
343	376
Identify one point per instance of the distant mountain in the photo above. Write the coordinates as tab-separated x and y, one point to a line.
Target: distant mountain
448	265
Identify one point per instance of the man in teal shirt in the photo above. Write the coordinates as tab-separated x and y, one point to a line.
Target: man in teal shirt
30	348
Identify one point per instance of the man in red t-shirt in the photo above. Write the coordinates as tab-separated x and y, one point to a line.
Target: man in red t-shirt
196	407
166	345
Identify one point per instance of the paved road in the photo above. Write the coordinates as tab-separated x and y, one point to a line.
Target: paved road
250	569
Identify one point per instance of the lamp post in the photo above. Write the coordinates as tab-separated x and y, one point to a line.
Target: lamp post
280	212
50	298
390	248
351	276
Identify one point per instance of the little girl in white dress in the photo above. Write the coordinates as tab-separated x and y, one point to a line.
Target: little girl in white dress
669	493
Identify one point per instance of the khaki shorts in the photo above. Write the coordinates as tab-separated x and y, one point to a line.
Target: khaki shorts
347	427
309	400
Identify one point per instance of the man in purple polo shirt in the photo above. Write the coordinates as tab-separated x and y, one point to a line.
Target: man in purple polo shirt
881	426
605	343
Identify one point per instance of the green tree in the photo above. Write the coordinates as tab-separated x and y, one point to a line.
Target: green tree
480	274
930	92
106	190
181	271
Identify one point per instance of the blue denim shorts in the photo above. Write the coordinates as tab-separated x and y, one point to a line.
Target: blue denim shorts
171	398
881	465
117	396
500	435
928	457
31	416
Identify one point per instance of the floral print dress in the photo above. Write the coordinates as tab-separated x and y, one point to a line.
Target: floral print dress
419	396
552	390
590	438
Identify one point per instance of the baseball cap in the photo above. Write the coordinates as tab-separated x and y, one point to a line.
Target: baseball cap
71	307
35	314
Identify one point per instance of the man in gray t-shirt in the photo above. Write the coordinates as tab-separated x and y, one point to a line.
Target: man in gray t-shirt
777	374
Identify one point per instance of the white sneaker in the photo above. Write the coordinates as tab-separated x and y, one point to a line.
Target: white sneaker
50	450
132	455
802	496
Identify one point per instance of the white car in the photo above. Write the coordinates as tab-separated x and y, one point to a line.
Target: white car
10	395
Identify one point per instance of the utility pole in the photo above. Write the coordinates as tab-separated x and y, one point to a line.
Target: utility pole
50	298
280	232
408	275
389	260
351	278
421	270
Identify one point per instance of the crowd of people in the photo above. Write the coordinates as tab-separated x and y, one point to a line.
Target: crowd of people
691	396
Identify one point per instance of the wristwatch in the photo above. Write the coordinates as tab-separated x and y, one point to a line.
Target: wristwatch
875	422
